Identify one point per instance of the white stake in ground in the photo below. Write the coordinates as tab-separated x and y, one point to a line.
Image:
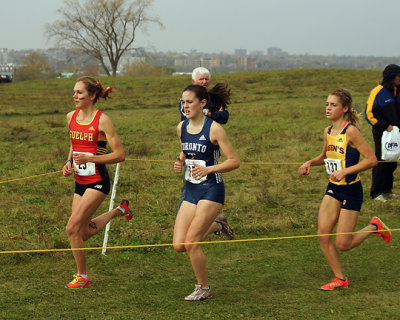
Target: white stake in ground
116	176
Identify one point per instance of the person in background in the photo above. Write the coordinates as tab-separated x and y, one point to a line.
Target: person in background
90	130
202	76
382	113
343	144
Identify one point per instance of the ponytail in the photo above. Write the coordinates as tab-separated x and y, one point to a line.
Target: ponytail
94	86
220	96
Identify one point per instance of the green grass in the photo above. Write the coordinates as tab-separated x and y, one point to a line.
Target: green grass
276	116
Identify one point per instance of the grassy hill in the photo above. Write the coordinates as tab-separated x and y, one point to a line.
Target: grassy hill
276	123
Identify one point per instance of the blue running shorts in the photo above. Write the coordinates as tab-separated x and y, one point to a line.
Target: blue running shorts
207	190
351	196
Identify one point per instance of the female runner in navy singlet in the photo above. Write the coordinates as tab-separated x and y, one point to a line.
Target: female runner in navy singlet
343	144
90	130
201	139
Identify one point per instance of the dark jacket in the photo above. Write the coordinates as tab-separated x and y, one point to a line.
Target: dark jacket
383	108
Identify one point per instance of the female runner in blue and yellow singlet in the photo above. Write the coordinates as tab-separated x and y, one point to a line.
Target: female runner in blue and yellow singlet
201	141
343	144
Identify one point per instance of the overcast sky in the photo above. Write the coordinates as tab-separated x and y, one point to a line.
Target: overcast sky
341	27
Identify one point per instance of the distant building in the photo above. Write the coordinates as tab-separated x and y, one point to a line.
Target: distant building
240	52
129	59
194	63
257	53
3	56
276	52
246	63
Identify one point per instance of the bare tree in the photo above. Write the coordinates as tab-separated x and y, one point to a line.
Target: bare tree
101	28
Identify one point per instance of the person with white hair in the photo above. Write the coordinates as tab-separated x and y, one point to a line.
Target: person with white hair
202	77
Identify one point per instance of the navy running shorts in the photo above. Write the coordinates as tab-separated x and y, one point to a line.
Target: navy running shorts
207	190
351	196
102	186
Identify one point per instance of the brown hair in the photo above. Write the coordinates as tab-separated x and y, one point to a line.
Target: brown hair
94	86
218	96
347	101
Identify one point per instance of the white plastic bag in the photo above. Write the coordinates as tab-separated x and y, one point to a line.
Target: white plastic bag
391	144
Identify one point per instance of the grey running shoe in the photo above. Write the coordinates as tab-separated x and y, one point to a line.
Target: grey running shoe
199	294
226	229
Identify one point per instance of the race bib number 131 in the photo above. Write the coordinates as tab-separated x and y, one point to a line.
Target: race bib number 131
333	165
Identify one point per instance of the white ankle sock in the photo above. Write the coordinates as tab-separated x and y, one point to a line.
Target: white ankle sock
121	209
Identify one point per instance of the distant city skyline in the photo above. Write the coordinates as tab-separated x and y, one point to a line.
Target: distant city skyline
345	27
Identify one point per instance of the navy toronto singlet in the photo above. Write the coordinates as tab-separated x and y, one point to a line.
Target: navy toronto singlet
199	147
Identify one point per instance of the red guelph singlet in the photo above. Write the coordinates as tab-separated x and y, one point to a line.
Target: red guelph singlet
86	138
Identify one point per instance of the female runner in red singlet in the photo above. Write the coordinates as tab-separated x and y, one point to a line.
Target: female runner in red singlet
90	130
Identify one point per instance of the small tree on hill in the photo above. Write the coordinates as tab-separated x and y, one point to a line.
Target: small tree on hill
101	28
34	66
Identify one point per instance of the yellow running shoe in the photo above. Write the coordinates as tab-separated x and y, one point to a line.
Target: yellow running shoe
78	282
336	283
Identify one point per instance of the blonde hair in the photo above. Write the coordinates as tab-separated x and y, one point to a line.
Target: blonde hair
347	101
94	86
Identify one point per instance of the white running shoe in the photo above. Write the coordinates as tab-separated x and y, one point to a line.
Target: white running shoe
380	198
199	294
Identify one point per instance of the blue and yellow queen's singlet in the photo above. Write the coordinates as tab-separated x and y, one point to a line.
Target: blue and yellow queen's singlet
199	149
340	155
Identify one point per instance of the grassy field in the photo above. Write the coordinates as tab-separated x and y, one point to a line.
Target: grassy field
276	117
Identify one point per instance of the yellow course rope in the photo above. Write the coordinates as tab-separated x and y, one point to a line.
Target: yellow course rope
189	243
34	176
171	161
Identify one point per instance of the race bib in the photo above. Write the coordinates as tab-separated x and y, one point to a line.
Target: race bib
189	167
333	165
85	169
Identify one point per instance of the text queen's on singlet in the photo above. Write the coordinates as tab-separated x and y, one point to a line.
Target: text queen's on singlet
199	149
340	155
86	138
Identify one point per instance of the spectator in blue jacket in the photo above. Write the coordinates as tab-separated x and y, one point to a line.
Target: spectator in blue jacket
383	112
202	77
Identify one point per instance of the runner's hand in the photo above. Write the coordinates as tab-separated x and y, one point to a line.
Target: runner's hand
199	172
305	169
67	169
178	165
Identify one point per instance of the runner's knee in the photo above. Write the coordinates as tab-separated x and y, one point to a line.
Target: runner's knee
179	248
343	244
